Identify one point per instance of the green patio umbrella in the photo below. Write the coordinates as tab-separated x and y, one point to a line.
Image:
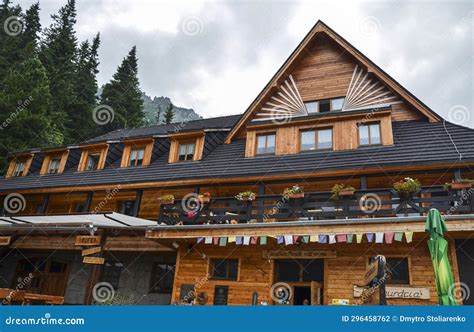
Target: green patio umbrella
439	256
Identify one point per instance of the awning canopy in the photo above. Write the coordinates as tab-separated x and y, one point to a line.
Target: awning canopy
99	220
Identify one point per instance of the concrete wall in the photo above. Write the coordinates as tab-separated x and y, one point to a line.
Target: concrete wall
134	279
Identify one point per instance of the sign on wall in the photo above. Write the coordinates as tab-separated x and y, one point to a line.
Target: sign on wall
5	240
86	240
299	254
399	292
93	260
91	251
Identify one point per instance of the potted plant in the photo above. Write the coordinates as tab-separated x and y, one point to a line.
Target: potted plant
341	190
407	187
459	184
204	197
166	199
246	196
294	192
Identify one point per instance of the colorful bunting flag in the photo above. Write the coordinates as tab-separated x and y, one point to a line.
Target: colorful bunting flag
350	238
370	237
305	239
295	238
341	237
200	239
246	240
409	236
254	240
223	241
263	240
359	237
313	238
379	237
323	239
208	240
399	236
280	240
215	241
239	240
332	239
231	239
288	239
389	237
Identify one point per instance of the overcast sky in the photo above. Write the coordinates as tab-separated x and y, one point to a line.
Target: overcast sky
216	56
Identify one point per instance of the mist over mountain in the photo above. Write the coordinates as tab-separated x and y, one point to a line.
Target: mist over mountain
154	109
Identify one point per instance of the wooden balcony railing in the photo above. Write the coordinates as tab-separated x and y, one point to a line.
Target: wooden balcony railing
316	206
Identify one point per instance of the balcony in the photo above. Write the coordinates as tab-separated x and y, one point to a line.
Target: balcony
373	203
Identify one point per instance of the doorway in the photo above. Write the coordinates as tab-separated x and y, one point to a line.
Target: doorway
301	295
465	256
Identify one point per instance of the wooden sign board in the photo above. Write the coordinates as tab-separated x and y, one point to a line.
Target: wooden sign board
299	254
91	251
5	240
371	272
93	260
85	240
399	292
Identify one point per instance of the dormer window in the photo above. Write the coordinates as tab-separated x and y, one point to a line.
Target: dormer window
137	152
53	167
19	168
186	151
136	157
92	161
266	144
369	134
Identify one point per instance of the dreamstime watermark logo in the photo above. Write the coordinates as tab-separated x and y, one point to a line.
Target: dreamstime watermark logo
108	196
14	203
192	26
22	283
22	105
279	117
191	203
459	290
281	292
181	125
459	114
369	25
13	26
370	203
103	292
103	114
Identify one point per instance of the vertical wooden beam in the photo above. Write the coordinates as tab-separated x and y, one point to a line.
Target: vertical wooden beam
87	204
260	203
457	174
95	274
138	202
44	205
363	182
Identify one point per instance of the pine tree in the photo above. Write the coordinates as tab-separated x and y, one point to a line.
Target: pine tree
86	92
59	56
32	29
27	119
169	114
122	94
11	27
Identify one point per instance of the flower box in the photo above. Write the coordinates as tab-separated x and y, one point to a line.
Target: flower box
296	196
204	199
460	185
167	202
343	193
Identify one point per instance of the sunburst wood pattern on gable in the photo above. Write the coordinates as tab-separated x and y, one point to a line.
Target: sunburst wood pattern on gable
285	105
364	92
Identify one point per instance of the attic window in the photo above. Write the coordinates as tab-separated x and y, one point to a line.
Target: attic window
369	134
136	157
186	151
53	167
92	161
93	157
266	144
324	106
19	168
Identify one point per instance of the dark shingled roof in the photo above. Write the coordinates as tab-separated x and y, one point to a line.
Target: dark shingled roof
222	122
415	142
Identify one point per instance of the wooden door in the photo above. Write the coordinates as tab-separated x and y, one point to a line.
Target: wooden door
316	293
47	276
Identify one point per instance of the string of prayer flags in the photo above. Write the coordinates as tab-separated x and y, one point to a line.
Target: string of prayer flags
379	237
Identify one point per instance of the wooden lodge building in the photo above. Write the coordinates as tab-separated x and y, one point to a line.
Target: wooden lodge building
96	212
